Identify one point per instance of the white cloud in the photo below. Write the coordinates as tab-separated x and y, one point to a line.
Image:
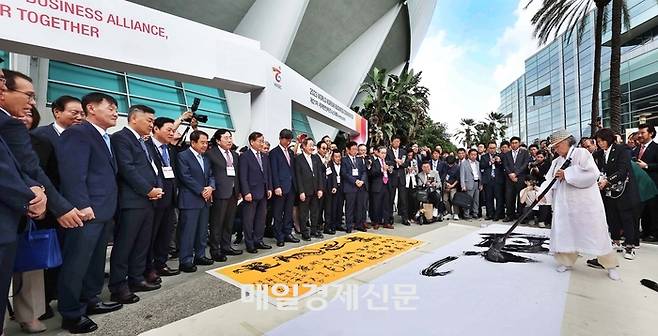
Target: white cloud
462	88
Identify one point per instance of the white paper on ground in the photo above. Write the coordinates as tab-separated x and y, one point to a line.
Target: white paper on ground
477	298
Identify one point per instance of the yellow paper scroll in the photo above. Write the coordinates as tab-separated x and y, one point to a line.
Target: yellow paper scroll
316	264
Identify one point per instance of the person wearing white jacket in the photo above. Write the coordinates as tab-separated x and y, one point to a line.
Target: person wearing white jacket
579	224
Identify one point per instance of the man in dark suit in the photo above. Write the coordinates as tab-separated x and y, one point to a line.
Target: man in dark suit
67	112
164	217
18	99
647	158
493	179
88	172
283	183
309	172
353	175
195	195
322	152
224	163
139	187
516	167
380	190
335	193
437	164
256	189
395	157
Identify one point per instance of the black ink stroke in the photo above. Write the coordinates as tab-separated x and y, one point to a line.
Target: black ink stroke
431	270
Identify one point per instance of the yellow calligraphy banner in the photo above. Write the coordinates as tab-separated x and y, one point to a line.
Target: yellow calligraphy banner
319	264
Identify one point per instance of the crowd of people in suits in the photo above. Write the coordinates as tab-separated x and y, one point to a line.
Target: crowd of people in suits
153	196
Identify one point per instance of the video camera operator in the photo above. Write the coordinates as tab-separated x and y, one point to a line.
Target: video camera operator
430	181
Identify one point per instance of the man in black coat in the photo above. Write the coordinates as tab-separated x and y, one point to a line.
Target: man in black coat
309	173
396	158
224	163
493	180
139	187
647	158
335	193
164	158
380	190
516	167
353	175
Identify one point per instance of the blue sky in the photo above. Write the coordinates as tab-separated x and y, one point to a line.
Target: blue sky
473	49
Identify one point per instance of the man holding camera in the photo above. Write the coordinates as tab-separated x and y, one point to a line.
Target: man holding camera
493	181
431	181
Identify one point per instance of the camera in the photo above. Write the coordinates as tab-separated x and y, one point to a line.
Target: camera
202	118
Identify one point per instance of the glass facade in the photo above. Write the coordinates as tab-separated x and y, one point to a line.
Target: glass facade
300	124
556	89
169	98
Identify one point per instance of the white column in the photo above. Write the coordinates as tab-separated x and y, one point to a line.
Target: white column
342	77
274	24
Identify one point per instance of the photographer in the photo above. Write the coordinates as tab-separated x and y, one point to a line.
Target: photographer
429	180
539	167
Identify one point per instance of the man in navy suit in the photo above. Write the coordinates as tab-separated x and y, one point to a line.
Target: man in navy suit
16	199
18	99
164	217
647	158
195	195
283	183
353	174
139	187
88	172
67	112
256	188
396	158
380	190
515	163
493	180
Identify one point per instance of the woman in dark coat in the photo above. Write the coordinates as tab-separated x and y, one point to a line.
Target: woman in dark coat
614	162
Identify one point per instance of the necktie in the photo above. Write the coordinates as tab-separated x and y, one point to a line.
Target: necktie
143	144
385	177
514	153
200	159
260	162
287	155
165	155
229	158
106	138
639	156
493	167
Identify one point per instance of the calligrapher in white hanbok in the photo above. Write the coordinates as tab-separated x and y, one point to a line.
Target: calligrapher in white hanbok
579	222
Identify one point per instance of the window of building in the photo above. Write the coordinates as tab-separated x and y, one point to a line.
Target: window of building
300	124
168	97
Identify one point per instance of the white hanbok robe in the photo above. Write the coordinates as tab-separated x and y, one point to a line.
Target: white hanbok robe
579	224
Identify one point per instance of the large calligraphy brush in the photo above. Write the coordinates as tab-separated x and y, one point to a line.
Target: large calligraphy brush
495	251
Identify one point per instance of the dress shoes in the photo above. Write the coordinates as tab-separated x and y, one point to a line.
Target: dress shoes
143	286
508	219
361	228
203	261
263	246
369	226
348	231
488	218
231	251
191	268
48	314
291	239
306	237
219	257
329	231
387	226
81	325
166	271
317	235
33	327
124	298
280	244
103	307
252	250
341	228
152	277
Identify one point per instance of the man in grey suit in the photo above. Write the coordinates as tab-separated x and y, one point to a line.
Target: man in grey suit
469	179
224	163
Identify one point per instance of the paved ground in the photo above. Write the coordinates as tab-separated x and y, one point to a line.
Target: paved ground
199	304
187	294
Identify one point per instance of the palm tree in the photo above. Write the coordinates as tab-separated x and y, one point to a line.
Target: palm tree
553	15
467	134
619	14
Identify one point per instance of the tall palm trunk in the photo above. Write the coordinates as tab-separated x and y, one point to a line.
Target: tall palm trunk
615	65
596	84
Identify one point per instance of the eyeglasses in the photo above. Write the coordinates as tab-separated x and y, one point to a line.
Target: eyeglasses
30	95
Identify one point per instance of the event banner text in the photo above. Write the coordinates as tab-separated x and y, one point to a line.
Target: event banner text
78	18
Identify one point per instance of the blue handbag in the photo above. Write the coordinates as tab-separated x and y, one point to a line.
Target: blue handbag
37	249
